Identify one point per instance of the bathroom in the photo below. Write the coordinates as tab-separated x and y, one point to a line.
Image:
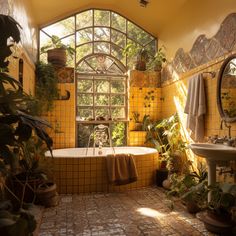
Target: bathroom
102	86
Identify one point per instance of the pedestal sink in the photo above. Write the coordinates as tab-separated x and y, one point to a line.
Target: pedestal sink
213	153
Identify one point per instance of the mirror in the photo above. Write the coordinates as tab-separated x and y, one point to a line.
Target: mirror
226	90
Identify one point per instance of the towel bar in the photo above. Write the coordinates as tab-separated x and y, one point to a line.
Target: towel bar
212	73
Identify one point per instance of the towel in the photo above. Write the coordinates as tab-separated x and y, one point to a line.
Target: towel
121	169
196	107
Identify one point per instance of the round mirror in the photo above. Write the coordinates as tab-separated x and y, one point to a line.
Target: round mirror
226	89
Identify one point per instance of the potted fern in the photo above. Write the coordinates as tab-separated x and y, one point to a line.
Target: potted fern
57	51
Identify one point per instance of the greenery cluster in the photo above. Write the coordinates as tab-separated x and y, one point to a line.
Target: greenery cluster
17	129
165	136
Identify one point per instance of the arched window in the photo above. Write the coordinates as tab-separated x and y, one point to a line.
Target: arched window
99	38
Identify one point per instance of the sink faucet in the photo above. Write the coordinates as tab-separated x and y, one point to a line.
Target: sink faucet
227	126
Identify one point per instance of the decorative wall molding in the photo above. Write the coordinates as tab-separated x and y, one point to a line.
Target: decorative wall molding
203	50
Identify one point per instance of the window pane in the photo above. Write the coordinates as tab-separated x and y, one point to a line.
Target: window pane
118	53
101	86
85	86
102	112
118	38
84	36
118	22
61	28
101	34
101	18
102	48
118	134
85	100
84	19
117	87
101	100
117	100
69	41
83	133
138	35
83	51
118	113
85	114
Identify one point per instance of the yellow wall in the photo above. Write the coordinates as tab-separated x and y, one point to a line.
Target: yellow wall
174	95
193	19
27	48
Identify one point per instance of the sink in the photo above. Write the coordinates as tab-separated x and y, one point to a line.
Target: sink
217	152
213	153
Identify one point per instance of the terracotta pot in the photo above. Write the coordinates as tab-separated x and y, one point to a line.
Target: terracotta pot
47	194
216	223
192	207
57	57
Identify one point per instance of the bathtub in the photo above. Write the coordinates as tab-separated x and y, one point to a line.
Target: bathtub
77	170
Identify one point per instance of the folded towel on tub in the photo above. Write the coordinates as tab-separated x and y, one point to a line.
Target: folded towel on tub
121	169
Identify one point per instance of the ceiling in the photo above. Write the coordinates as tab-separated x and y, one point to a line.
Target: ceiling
153	18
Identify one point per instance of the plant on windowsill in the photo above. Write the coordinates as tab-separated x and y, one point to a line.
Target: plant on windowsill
57	51
156	62
136	51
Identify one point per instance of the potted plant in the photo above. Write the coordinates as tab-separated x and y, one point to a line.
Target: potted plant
56	51
157	61
218	217
133	51
138	123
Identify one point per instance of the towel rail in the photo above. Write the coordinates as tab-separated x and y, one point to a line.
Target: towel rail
212	73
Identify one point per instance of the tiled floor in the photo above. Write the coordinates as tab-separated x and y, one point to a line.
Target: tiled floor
139	212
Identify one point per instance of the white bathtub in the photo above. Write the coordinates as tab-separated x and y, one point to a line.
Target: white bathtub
76	172
81	152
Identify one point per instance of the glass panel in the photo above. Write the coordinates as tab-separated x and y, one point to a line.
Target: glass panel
84	67
61	28
84	36
114	69
44	41
118	113
138	35
85	99
102	48
151	48
101	18
83	51
85	113
118	38
118	53
84	19
101	100
118	22
102	112
117	87
85	86
101	34
101	86
118	133
70	41
83	133
118	100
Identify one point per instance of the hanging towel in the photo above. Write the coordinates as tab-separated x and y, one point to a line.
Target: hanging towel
121	169
196	107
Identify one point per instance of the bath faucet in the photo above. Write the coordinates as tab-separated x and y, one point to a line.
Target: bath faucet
227	126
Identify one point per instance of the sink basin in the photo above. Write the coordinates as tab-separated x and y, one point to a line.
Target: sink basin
217	152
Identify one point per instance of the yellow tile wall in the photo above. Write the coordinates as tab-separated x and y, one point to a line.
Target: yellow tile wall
144	98
174	98
62	119
86	175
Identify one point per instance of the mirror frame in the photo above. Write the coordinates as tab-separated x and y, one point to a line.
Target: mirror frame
218	92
